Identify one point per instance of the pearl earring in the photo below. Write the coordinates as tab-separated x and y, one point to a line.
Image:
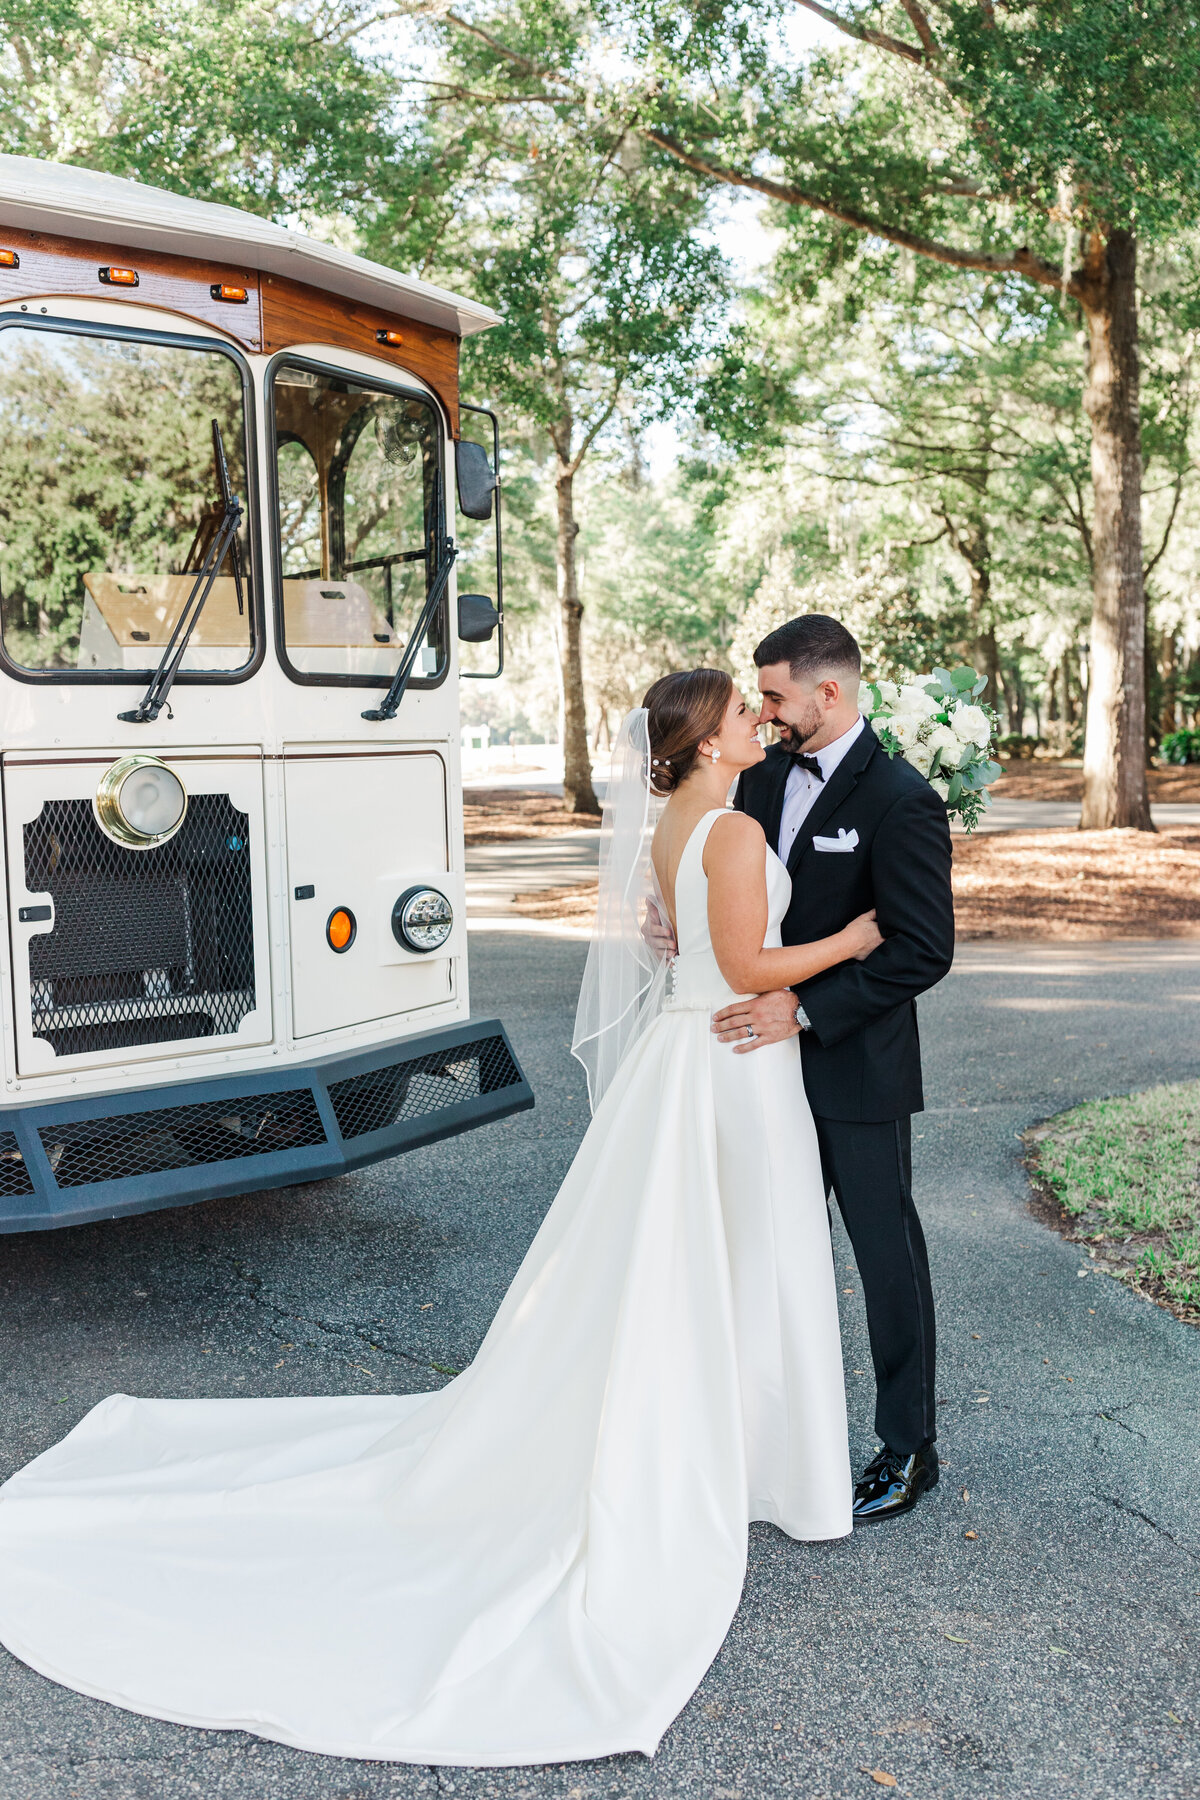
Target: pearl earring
716	756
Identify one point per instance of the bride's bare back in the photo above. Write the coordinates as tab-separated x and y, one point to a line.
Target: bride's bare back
734	860
681	815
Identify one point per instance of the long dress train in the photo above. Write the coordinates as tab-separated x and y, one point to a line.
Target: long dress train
538	1562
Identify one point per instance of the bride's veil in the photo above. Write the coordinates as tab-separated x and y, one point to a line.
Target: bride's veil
624	980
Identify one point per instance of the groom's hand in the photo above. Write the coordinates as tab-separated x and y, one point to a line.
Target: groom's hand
657	933
771	1017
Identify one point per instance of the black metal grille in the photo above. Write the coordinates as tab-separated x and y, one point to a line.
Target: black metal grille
179	1137
148	946
423	1084
14	1176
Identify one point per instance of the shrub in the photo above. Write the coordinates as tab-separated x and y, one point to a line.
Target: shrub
1181	747
1017	748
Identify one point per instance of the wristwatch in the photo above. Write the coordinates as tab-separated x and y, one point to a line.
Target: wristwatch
803	1020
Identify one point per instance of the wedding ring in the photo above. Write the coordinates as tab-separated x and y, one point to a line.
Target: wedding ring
750	1031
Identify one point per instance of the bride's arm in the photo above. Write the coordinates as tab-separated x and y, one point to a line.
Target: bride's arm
735	863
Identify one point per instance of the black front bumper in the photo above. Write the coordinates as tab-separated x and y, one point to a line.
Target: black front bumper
71	1161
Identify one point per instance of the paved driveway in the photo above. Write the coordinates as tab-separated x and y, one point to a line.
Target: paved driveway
1056	1654
495	872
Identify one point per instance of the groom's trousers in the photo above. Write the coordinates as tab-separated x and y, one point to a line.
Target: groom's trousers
868	1165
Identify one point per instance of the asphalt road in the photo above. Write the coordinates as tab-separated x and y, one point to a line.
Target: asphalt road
1055	1654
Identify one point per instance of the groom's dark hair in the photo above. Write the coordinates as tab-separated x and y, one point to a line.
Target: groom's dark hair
812	646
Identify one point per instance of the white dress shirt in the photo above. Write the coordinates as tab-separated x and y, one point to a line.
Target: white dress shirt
800	794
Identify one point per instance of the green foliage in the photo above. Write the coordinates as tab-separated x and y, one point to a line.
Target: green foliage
106	465
587	247
656	599
1102	88
1017	747
876	433
255	103
1182	747
989	132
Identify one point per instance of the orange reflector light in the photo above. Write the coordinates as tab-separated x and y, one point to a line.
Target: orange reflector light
221	290
119	277
388	337
9	259
340	929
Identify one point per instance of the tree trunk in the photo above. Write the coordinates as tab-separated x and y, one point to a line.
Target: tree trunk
1115	792
578	793
1169	673
973	546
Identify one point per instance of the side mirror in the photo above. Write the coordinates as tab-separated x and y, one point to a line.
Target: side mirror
476	482
477	618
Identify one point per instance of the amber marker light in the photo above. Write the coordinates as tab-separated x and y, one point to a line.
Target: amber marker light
221	290
114	277
9	259
340	929
388	337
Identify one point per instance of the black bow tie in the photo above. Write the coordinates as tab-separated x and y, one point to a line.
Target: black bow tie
808	762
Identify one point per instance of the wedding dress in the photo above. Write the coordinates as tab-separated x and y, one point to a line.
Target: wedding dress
538	1562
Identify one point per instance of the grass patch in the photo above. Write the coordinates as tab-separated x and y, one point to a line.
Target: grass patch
1125	1177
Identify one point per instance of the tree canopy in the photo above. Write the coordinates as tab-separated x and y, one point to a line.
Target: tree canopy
952	401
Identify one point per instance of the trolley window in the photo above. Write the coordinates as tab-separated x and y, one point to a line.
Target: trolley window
359	518
109	502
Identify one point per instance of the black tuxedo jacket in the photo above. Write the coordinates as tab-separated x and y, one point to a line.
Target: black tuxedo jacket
862	1058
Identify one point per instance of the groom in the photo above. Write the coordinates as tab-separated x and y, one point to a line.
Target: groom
858	829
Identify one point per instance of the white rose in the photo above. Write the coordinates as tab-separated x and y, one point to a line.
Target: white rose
915	700
904	727
889	693
866	699
943	739
940	787
920	756
971	724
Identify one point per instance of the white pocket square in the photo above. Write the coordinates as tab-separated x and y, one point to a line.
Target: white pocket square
845	840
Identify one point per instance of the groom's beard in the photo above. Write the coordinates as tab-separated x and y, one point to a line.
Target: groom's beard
795	733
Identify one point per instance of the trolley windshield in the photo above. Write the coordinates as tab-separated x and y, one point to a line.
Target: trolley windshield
357	497
109	501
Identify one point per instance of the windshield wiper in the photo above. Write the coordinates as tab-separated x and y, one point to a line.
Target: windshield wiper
224	523
442	552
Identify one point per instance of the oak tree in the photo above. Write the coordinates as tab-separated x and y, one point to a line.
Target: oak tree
1048	140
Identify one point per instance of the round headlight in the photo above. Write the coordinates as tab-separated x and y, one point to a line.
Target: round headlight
140	802
422	919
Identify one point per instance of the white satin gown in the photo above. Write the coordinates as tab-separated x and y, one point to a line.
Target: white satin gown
538	1562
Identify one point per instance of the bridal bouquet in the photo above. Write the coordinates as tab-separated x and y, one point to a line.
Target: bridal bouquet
937	723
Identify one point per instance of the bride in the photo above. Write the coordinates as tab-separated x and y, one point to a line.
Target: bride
538	1562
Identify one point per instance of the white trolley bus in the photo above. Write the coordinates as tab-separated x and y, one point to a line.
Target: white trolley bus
232	629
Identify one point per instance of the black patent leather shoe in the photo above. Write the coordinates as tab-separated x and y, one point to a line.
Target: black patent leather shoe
893	1484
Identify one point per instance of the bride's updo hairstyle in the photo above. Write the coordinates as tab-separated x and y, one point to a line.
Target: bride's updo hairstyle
682	710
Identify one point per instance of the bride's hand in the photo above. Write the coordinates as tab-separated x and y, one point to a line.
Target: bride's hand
863	935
